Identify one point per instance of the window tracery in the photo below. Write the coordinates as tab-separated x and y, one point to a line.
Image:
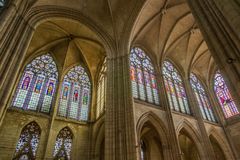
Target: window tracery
75	94
144	86
37	85
28	142
101	90
174	87
63	145
224	97
202	98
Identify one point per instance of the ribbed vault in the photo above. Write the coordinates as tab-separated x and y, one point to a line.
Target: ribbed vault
168	29
70	42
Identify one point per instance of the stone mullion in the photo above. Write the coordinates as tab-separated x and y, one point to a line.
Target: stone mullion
174	151
48	152
217	36
120	140
197	114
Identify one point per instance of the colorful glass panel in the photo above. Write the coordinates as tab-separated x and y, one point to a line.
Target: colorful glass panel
28	142
202	98
142	76
36	88
174	87
101	90
63	145
75	95
224	97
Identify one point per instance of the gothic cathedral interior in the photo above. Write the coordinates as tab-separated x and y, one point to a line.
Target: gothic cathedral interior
119	80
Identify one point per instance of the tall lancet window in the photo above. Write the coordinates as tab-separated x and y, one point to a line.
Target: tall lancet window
175	89
224	97
144	85
28	142
202	99
63	144
75	94
37	85
101	90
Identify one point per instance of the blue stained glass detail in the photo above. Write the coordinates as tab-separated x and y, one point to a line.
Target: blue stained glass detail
75	95
63	144
38	75
28	142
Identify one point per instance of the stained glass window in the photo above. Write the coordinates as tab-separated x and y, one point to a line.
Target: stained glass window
175	89
144	85
75	94
37	85
202	99
101	90
63	145
28	142
224	97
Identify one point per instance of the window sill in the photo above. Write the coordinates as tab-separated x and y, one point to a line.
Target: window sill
232	120
148	104
29	112
183	114
212	123
68	120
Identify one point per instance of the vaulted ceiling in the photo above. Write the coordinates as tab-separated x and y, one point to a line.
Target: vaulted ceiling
164	28
167	29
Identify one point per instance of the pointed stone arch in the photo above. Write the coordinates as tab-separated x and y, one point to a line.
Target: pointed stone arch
156	124
99	139
222	142
186	127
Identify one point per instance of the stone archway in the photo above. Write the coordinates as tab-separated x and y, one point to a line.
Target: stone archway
188	147
152	132
151	145
218	151
188	134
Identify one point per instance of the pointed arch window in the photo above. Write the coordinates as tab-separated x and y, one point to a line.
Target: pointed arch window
224	97
144	86
28	142
202	98
63	145
101	90
175	89
75	95
37	85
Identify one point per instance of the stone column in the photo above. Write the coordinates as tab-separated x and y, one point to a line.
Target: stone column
193	103
120	140
13	48
175	151
219	23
